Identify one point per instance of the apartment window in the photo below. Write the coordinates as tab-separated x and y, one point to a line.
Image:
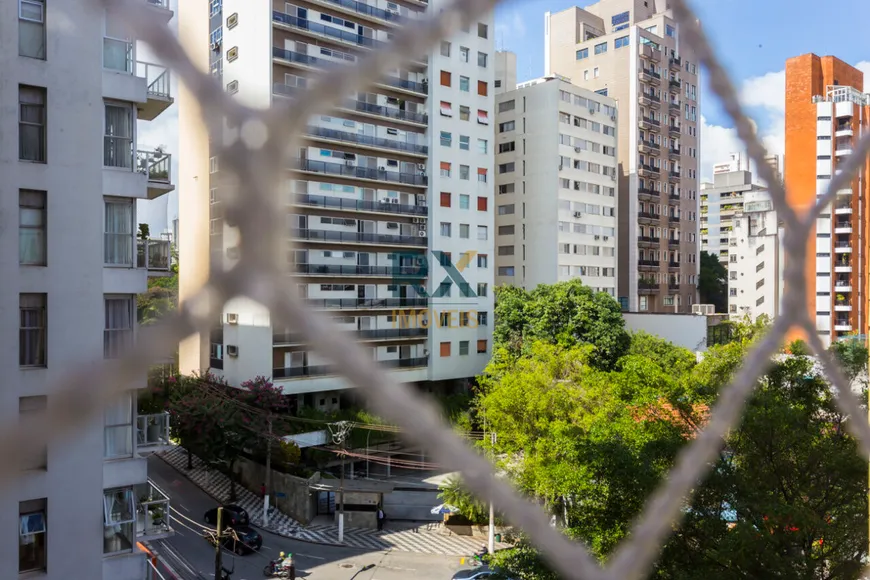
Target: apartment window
445	78
464	231
31	228
643	303
32	333
464	113
118	137
35	450
118	233
481	59
213	165
482	117
582	53
482	88
481	175
445	48
506	209
445	169
31	124
506	230
463	319
464	84
506	126
31	29
482	288
119	517
214	7
482	30
445	199
670	31
481	347
506	271
482	260
463	348
498	83
445	349
445	229
482	146
482	234
506	167
465	142
620	42
118	333
464	172
595	74
446	109
31	535
118	431
601	48
482	318
507	147
507	106
463	54
505	250
446	139
464	201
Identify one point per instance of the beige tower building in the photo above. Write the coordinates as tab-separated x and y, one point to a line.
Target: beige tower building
630	50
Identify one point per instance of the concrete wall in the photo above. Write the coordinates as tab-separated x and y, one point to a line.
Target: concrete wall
299	502
685	330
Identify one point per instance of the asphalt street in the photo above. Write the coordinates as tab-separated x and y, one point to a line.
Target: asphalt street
312	560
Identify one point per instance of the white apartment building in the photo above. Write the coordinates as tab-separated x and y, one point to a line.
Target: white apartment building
556	202
756	259
70	268
633	52
505	71
393	191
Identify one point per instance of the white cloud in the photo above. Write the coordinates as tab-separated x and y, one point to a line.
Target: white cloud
764	98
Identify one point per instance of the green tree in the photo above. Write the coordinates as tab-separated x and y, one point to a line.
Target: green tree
453	493
713	282
161	297
566	314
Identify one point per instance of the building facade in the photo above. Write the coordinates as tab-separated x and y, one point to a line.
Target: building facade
73	169
631	51
755	261
556	165
826	112
390	212
505	71
721	201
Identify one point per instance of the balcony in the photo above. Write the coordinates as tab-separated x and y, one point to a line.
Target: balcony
674	83
647	191
842	266
674	218
649	100
152	433
845	191
648	263
648	240
843	150
158	90
842	285
674	105
367	141
842	304
162	8
673	175
319	371
674	151
288	338
367	303
842	247
649	124
843	227
647	52
648	146
843	131
648	170
647	287
672	128
842	325
674	196
648	216
367	109
316	29
366	10
649	76
673	242
341	204
321	63
340	237
157	166
673	264
152	512
673	286
367	173
405	272
154	256
843	209
675	63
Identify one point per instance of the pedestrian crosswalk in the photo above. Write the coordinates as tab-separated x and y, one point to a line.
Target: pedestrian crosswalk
419	540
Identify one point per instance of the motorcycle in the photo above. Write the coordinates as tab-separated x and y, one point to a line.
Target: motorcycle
277	569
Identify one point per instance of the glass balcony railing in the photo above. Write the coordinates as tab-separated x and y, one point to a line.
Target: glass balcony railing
368	140
366	334
152	512
364	303
153	255
323	370
354	171
361	107
313	61
156	164
356	270
344	35
359	237
330	202
152	430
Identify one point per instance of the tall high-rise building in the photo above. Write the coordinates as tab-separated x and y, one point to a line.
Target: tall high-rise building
631	51
826	111
72	168
393	190
556	163
505	71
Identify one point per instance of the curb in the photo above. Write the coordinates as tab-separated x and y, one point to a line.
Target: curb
253	523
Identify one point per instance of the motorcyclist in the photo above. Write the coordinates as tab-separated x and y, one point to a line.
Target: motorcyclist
480	554
285	561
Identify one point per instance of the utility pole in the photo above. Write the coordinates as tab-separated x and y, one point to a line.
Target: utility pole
268	474
491	508
218	564
339	432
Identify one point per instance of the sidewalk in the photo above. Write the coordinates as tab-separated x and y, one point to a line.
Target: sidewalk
418	540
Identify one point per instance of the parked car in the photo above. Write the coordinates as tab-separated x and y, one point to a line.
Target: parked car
233	516
481	573
238	539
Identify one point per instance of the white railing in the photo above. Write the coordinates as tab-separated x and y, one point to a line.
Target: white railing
153	255
152	430
152	512
156	164
156	78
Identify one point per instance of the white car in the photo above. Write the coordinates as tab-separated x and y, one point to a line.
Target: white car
480	573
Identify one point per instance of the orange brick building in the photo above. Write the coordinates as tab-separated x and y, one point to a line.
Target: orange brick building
826	112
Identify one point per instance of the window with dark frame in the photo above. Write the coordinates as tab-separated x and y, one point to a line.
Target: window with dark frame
32	330
32	239
31	124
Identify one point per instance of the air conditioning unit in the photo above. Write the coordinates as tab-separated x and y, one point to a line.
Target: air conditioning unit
613	117
349	162
382	168
395	200
606	238
232	350
392	226
578	214
591	111
421	166
215	46
385	200
232	318
597	237
422	233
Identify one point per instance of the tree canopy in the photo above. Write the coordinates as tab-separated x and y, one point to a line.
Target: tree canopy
564	314
713	282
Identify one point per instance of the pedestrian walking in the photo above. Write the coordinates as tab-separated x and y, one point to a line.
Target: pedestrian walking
381	518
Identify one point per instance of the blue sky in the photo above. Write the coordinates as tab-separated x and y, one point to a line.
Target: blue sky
753	39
